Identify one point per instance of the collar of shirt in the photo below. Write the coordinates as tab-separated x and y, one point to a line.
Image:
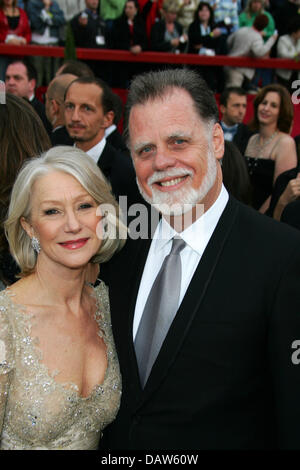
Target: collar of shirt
56	128
197	235
204	31
110	130
96	151
226	128
92	13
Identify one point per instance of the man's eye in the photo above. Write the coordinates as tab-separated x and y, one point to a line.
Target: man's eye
146	149
87	108
179	141
68	106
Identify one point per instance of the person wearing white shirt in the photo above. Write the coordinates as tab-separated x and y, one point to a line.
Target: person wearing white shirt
88	112
288	47
204	331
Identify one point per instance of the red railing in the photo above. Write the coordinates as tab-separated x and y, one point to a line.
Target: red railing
152	57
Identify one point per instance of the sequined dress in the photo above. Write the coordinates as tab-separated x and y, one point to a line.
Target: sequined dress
36	412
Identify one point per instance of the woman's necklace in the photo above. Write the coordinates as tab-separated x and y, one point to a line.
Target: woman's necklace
259	148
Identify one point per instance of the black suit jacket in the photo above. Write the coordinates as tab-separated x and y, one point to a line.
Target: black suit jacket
196	38
224	378
85	36
121	37
119	171
116	140
157	37
60	136
39	107
241	137
291	214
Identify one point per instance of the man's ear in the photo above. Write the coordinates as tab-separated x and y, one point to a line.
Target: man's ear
222	109
32	84
218	141
27	227
108	119
55	106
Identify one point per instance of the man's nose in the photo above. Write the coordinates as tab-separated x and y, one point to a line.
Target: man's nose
163	159
76	114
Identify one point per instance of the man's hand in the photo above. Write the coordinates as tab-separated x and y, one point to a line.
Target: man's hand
291	193
83	20
216	32
175	42
16	41
292	190
136	49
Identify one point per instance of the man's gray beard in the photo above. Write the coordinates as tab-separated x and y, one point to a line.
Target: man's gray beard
181	201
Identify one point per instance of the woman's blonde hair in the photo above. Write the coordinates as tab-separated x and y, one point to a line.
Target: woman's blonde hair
74	162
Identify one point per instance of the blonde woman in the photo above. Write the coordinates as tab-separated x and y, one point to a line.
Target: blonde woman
59	376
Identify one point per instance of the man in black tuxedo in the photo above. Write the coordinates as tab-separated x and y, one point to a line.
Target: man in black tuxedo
88	112
233	106
20	80
54	105
225	375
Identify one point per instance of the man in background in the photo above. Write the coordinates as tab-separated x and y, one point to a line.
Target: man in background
89	104
233	107
54	103
20	80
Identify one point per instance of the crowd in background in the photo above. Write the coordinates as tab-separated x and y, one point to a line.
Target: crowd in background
261	161
247	28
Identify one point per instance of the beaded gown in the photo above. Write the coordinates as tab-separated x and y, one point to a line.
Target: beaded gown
36	412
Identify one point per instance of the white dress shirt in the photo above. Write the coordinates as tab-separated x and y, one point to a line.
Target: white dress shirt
196	237
109	130
96	151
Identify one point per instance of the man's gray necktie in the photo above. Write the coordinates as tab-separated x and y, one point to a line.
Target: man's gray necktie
159	311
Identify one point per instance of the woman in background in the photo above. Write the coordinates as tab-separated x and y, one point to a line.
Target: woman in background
288	47
129	33
254	8
14	29
167	34
271	150
22	136
206	39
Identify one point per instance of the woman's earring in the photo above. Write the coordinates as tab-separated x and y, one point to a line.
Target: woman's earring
35	245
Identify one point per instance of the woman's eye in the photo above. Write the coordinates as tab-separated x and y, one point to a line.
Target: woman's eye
86	205
51	211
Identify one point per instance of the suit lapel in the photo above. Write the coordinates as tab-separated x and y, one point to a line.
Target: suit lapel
137	261
105	160
192	301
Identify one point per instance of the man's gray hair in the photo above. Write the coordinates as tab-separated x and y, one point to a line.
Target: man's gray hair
152	85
